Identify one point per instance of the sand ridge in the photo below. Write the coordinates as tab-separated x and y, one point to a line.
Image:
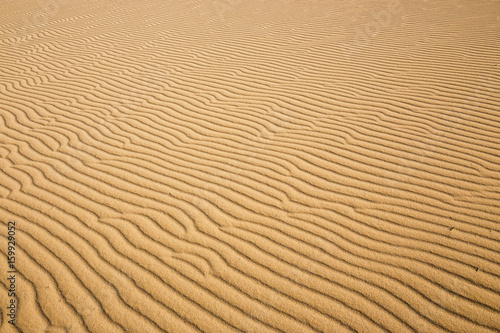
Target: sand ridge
257	166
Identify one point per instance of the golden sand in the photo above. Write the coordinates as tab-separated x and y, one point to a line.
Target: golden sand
246	165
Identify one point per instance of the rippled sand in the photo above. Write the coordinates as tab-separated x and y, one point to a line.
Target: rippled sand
257	166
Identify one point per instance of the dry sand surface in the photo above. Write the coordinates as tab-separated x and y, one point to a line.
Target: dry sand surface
250	165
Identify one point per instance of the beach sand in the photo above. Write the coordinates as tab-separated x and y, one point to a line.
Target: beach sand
256	166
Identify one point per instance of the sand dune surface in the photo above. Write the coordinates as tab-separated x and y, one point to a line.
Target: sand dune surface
255	166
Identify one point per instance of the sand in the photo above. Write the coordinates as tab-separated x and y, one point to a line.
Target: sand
257	166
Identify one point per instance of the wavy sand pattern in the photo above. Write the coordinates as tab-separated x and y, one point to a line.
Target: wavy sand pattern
257	166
